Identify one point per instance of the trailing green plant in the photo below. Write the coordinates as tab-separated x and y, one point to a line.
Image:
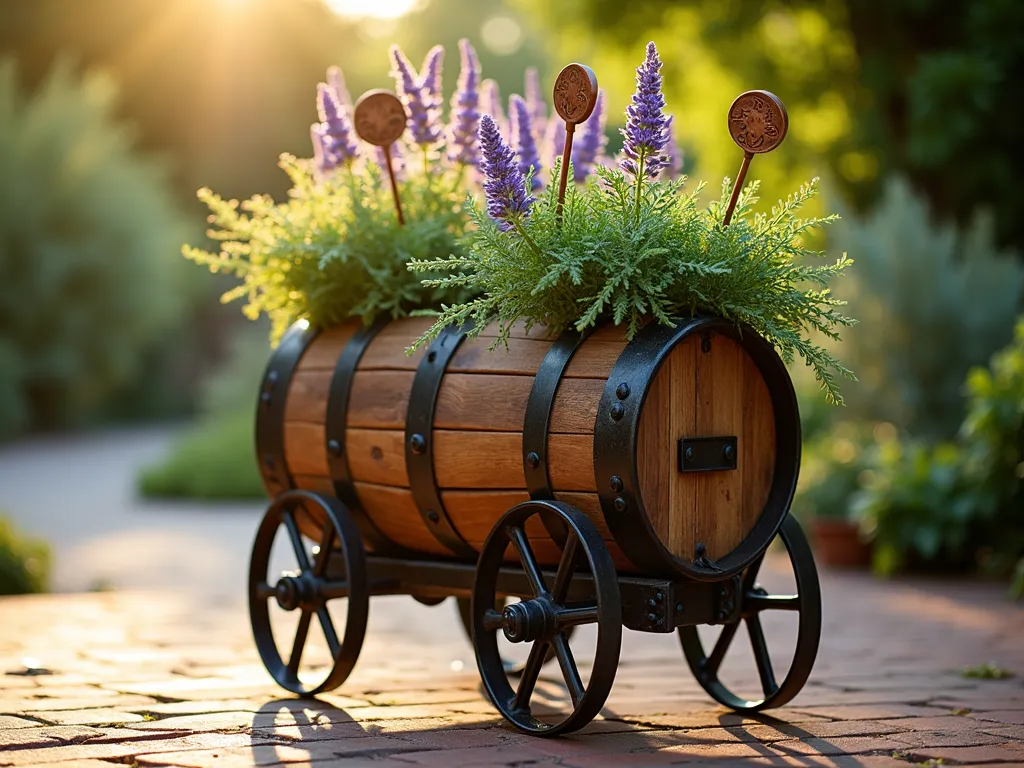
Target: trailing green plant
334	249
628	246
958	503
24	562
931	301
90	287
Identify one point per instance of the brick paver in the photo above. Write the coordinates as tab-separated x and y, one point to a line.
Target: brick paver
161	680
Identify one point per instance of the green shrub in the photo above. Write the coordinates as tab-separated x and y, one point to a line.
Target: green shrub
215	459
834	465
957	504
931	302
24	562
88	235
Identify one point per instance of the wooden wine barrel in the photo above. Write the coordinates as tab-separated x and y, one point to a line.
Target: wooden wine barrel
682	446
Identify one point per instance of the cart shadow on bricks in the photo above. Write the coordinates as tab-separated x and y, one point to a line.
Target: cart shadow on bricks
562	482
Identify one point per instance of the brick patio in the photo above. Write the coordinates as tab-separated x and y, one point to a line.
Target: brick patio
154	679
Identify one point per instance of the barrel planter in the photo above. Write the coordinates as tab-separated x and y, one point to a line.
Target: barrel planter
612	427
620	483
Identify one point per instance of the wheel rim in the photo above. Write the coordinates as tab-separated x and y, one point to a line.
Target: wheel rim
754	600
544	619
309	589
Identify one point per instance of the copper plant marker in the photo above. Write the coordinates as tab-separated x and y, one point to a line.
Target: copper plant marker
380	119
575	96
757	123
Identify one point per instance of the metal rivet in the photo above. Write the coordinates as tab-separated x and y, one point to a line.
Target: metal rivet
617	411
272	377
651	618
417	443
622	391
616	483
688	453
723	592
433	516
532	460
728	452
651	603
334	447
431	357
620	504
266	397
659	596
679	607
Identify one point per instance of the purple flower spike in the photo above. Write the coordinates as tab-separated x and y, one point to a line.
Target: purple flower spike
589	148
490	103
673	153
554	141
424	115
463	145
646	130
337	141
522	139
316	135
430	80
534	101
505	186
336	79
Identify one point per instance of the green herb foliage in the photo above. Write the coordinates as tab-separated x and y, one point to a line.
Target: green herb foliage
334	250
628	250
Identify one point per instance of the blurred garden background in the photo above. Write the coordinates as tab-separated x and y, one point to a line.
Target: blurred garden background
113	114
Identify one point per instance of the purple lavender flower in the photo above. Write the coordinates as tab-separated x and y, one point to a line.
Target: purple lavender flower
424	123
505	186
490	103
336	79
463	144
522	139
536	104
430	79
673	153
554	141
316	135
589	148
337	142
646	130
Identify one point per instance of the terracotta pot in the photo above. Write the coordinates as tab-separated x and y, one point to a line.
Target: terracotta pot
837	543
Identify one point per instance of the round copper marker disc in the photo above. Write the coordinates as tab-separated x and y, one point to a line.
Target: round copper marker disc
758	121
575	93
379	117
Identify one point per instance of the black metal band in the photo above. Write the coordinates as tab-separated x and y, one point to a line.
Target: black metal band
419	439
616	431
334	432
270	408
537	422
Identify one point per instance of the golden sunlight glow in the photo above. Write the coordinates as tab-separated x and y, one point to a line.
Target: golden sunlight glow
375	9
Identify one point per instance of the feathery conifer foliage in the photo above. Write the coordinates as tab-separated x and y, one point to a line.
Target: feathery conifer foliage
631	246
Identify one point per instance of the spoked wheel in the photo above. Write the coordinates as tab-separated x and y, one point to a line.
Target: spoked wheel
545	618
753	600
336	573
513	668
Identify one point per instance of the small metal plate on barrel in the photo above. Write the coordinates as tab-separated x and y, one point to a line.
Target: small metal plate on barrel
575	93
707	454
758	121
379	117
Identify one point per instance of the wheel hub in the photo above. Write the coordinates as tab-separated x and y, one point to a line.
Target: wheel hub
528	621
293	592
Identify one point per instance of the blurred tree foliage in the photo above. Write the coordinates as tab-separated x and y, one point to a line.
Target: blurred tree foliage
920	87
225	86
90	281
